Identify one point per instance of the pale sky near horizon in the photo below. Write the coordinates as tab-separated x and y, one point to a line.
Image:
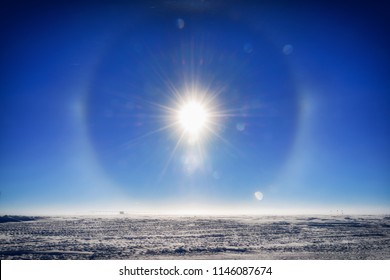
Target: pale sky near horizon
112	105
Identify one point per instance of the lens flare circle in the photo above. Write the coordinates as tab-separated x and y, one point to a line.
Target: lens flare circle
259	195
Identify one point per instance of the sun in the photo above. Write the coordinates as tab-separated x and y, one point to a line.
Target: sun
193	118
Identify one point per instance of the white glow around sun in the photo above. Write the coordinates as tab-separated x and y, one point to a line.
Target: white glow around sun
193	118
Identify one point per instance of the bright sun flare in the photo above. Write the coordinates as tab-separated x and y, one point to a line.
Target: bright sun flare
193	117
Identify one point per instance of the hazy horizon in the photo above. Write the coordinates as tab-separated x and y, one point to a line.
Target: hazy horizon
196	210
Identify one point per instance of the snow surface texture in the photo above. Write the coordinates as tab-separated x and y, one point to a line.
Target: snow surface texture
125	237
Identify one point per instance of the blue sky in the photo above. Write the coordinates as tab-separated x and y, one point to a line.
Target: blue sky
297	94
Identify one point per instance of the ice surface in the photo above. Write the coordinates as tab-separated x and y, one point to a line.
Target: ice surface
247	237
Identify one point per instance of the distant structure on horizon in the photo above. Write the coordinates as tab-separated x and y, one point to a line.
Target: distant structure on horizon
338	213
113	212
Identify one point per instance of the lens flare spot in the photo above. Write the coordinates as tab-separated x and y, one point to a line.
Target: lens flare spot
192	162
180	23
248	48
258	195
240	126
288	49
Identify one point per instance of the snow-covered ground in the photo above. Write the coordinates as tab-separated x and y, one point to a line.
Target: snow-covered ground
246	237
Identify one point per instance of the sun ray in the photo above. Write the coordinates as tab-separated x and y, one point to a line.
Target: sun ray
177	145
136	140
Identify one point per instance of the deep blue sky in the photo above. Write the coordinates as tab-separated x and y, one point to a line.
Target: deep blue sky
301	98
